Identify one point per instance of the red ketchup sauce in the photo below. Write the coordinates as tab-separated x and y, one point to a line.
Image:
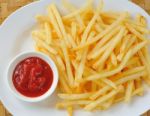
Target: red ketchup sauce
32	77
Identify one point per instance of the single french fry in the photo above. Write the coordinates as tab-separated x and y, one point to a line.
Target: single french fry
70	110
138	84
144	62
128	72
131	77
60	62
54	22
74	30
74	96
129	91
68	65
60	23
114	59
48	33
74	102
79	72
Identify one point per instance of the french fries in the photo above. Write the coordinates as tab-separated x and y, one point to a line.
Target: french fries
102	56
102	99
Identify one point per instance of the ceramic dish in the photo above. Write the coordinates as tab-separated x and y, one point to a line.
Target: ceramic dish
15	38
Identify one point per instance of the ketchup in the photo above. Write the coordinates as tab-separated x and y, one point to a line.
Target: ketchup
32	77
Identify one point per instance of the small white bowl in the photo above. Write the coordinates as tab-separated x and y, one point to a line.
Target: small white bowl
17	60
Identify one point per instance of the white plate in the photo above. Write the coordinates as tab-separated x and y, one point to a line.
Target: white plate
15	38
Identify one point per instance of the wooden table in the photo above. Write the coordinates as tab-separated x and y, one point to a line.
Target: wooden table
9	6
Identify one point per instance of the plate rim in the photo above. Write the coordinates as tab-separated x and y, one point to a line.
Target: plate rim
38	2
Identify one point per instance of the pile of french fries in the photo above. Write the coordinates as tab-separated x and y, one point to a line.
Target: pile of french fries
102	56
